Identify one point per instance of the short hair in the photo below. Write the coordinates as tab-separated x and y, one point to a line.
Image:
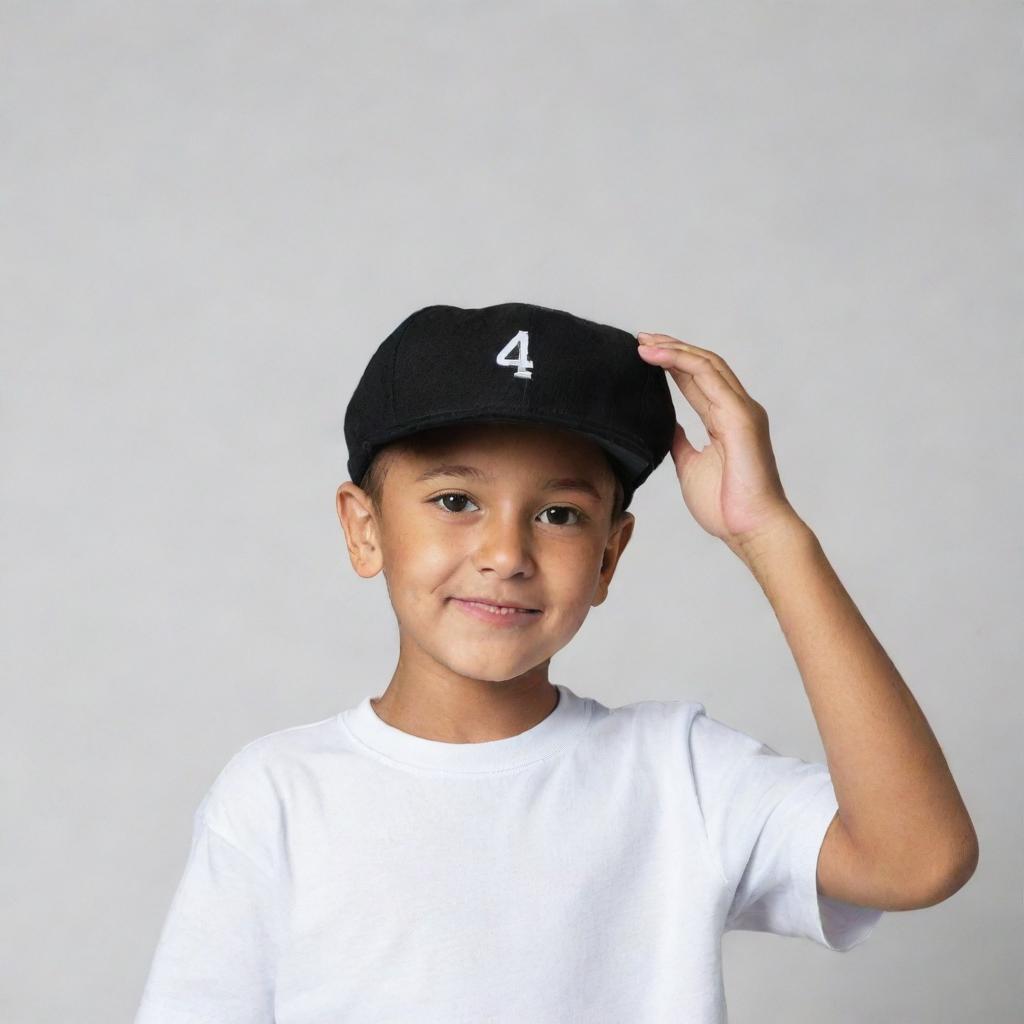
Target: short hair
373	479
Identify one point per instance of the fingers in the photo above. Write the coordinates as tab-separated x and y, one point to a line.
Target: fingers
716	360
697	391
701	378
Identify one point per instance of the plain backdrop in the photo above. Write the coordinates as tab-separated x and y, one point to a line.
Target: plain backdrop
213	213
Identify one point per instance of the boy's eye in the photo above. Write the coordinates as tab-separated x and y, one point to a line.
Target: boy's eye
459	497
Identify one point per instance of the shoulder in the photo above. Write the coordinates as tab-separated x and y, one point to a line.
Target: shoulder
683	728
655	713
248	793
658	723
658	709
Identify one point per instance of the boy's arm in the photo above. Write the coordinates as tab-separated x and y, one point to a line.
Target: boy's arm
902	837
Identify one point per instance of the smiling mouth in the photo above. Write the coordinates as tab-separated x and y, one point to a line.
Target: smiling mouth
497	610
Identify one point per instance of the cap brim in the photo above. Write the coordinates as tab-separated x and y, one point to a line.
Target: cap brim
633	463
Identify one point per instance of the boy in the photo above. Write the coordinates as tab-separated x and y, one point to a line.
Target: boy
481	844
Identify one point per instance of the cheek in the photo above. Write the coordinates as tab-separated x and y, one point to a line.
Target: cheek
575	568
571	580
416	568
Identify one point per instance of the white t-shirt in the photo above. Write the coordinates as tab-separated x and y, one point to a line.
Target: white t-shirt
581	871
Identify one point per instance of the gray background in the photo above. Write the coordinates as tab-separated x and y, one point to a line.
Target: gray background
212	213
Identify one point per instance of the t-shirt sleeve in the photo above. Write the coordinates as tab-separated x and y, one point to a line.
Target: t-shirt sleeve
216	955
766	815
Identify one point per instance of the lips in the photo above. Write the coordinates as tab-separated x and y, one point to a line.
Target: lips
494	614
511	606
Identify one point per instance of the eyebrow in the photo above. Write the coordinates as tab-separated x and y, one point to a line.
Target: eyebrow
555	484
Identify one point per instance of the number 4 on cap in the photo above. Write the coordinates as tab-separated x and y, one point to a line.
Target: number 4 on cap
522	361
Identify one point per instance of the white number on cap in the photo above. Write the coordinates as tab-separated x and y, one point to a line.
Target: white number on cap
522	361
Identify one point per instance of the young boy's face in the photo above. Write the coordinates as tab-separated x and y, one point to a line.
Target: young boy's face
502	531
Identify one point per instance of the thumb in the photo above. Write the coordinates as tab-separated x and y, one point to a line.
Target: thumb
682	450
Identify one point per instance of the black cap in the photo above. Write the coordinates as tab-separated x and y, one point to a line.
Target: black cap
513	362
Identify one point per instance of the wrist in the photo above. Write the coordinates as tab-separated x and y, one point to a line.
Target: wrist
778	539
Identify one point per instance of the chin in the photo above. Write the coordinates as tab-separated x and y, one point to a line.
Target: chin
490	669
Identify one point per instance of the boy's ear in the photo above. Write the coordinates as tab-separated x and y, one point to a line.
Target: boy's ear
617	542
355	513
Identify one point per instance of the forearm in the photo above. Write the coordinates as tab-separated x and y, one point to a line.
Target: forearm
897	798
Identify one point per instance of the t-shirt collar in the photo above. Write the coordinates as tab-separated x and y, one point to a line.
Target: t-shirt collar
559	729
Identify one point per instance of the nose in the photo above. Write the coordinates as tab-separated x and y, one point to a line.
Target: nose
504	545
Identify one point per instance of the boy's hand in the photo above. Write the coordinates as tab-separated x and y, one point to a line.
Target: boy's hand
731	487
